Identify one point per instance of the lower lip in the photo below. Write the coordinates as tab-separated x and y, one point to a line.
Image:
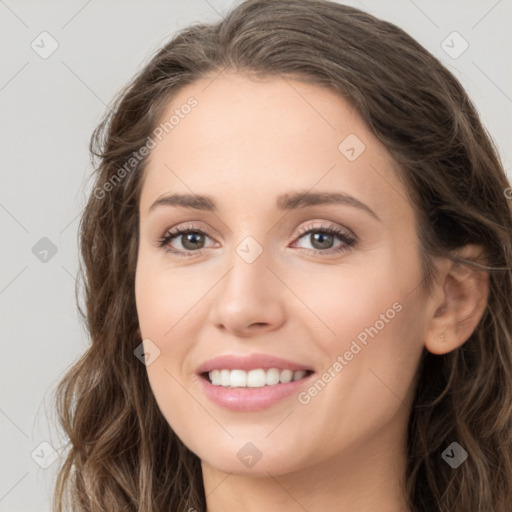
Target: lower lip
251	399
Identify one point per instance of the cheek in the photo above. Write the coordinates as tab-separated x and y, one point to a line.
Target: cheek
349	300
368	380
168	307
164	301
166	298
374	341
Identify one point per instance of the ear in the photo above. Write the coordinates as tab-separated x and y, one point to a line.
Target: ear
458	302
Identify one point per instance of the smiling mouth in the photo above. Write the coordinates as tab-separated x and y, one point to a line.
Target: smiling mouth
256	378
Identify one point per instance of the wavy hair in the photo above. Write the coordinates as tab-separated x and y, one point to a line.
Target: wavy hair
122	455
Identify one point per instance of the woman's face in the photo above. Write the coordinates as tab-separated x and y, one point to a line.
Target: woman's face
329	282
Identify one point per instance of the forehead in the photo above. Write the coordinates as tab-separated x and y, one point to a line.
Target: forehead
259	137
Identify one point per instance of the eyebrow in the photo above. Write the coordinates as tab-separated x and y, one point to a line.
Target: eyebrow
290	201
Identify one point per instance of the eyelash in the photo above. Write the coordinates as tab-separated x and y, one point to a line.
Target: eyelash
348	240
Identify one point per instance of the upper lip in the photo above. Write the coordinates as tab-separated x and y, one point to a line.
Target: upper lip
252	362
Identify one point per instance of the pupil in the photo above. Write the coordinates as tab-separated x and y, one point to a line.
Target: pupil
192	238
325	240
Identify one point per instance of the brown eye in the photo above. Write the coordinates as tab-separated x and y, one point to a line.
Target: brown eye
323	239
192	241
186	241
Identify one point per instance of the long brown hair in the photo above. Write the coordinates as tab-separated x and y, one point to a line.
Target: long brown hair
122	455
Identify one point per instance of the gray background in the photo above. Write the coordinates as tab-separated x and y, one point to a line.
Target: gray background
49	109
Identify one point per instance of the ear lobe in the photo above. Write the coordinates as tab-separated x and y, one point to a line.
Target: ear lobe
461	302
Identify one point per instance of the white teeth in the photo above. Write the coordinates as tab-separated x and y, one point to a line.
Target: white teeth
272	377
298	375
225	377
254	378
238	379
215	377
286	376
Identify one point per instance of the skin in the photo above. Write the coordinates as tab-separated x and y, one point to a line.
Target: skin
248	141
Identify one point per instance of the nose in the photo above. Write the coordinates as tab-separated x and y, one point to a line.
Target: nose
250	299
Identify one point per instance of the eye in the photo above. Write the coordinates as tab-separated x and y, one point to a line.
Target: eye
191	239
322	239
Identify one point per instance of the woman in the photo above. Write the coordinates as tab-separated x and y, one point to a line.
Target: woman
296	259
